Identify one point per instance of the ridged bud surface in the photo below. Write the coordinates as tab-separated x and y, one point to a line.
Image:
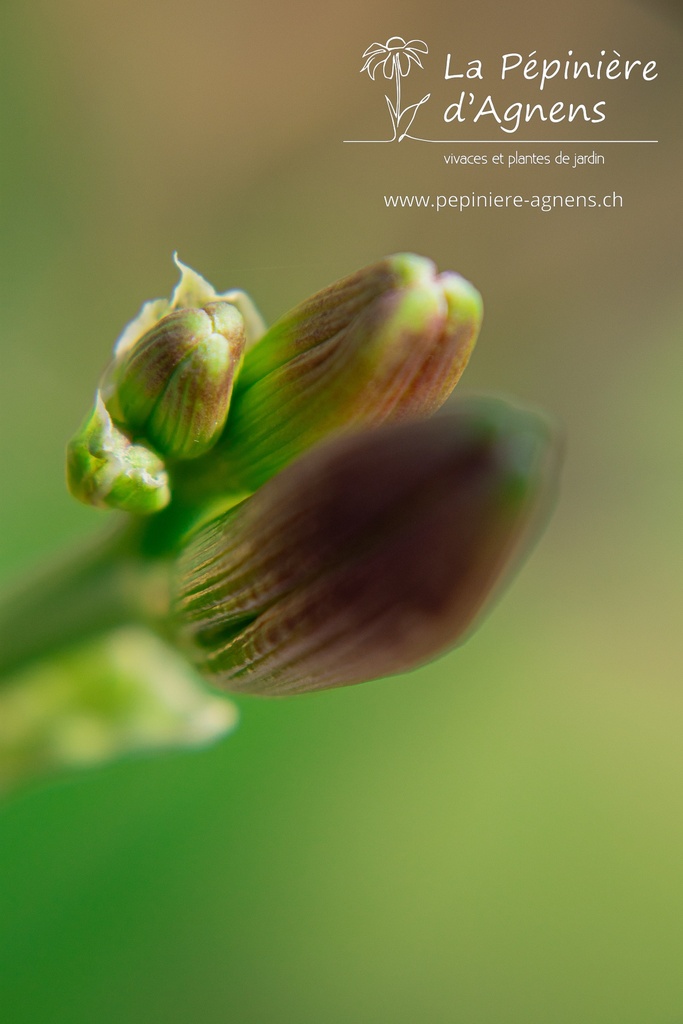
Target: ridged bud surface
386	344
369	555
175	384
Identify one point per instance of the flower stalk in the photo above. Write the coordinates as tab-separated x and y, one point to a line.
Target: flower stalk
79	596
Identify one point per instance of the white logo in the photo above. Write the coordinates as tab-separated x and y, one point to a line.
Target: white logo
396	58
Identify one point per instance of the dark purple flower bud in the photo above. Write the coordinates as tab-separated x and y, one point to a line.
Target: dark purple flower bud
369	555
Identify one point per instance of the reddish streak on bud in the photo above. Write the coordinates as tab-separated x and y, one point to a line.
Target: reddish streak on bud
368	556
175	385
386	344
330	311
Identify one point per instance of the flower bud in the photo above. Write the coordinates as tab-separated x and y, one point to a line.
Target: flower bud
369	555
174	385
388	343
106	470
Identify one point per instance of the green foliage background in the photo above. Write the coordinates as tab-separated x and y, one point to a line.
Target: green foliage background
497	837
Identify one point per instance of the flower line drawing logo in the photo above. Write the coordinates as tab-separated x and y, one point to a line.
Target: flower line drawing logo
395	58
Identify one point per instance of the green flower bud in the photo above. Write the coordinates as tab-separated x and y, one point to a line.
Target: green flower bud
370	555
388	343
106	470
174	385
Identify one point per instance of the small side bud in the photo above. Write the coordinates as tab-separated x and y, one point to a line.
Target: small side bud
369	555
191	290
386	344
174	386
106	470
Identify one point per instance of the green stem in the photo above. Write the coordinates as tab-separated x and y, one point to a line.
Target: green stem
90	592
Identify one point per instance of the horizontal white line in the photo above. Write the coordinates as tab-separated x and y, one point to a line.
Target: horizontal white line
523	142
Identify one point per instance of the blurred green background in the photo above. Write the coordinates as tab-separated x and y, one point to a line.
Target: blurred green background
496	838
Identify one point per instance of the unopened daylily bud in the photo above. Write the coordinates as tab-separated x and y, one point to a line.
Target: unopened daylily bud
369	555
388	343
106	470
174	385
